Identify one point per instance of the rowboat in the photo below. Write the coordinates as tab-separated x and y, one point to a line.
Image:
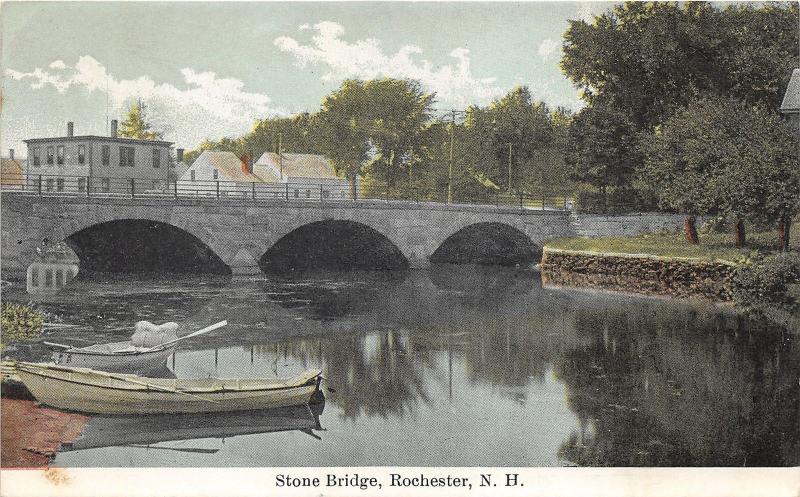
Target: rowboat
115	357
101	392
144	431
121	356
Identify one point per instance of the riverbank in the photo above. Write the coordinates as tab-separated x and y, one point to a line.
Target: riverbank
639	273
32	435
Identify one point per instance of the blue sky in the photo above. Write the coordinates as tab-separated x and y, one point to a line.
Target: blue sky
211	69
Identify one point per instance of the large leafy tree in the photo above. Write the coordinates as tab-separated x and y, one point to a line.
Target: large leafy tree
518	142
375	127
639	63
723	156
135	124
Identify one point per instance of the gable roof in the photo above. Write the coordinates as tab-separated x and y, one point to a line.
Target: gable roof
791	100
299	165
231	168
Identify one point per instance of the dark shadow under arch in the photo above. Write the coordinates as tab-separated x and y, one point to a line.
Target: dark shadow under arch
143	246
488	243
333	245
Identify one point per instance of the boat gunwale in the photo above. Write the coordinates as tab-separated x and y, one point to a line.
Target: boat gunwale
84	351
139	383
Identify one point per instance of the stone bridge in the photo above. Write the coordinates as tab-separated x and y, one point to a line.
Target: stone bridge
240	232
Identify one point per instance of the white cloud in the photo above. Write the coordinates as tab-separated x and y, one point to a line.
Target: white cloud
364	59
206	105
549	49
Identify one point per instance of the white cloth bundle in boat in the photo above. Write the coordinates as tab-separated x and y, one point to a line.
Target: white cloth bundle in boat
147	334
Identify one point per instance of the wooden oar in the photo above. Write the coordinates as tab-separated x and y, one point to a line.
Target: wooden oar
61	345
196	333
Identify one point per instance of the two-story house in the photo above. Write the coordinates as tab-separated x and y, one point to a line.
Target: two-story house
93	163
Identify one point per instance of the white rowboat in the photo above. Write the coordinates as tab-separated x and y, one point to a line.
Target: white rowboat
121	356
99	392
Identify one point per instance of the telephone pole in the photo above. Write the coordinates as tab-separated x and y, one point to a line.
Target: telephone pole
453	113
509	168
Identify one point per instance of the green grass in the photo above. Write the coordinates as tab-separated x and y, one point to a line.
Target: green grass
715	246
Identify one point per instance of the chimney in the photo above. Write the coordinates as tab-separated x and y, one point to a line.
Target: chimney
179	155
247	164
11	153
70	128
113	128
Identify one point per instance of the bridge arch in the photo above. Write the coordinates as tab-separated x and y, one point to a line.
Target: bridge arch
139	243
333	244
488	243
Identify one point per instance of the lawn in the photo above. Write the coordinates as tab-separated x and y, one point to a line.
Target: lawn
715	246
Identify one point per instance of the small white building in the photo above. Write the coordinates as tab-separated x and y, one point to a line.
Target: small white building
790	107
223	173
306	175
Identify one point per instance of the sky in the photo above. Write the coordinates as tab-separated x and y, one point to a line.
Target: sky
208	70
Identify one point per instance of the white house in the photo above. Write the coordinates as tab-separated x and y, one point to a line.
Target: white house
216	172
305	175
790	107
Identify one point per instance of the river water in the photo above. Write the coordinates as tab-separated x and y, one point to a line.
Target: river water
455	366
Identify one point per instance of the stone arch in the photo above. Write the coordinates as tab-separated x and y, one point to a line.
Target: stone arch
194	234
487	242
337	233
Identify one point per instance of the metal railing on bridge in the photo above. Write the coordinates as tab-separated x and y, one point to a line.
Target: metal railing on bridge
248	192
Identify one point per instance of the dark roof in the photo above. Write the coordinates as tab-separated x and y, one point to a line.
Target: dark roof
791	100
101	138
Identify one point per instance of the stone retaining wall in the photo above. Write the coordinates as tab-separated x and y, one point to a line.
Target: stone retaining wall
640	273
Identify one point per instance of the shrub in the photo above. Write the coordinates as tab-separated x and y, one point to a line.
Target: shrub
767	284
20	323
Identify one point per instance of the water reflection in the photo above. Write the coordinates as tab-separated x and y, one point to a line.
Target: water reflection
48	278
473	366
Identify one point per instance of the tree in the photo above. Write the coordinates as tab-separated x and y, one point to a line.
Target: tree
518	142
640	63
723	156
375	127
135	124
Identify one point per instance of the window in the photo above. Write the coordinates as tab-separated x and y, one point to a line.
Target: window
156	158
81	154
34	276
192	175
50	155
106	153
48	278
296	193
126	157
308	193
37	156
81	184
106	185
216	174
60	155
50	184
60	184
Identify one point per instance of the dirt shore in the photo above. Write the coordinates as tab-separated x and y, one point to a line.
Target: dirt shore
31	435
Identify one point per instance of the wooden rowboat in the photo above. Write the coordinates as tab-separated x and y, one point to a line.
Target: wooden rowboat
115	357
100	392
121	357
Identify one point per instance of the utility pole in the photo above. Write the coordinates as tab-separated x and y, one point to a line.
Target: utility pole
453	114
280	153
509	168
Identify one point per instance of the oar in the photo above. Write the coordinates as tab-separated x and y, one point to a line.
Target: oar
196	333
61	345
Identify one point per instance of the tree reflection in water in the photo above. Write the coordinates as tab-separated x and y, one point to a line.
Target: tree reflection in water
667	386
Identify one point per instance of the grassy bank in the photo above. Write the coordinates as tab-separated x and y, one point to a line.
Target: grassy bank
714	246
